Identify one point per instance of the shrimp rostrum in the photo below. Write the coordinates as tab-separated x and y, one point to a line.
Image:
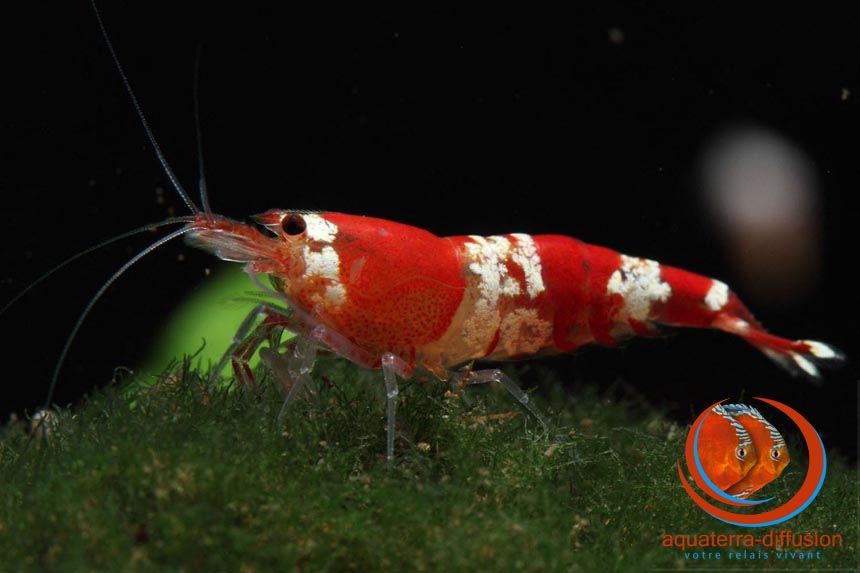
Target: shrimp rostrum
387	295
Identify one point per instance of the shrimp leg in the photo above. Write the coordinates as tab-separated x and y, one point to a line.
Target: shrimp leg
496	375
294	372
392	366
389	367
248	338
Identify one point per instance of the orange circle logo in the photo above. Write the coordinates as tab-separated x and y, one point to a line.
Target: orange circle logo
732	451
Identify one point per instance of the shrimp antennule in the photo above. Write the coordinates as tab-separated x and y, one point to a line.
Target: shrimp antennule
88	250
113	278
192	206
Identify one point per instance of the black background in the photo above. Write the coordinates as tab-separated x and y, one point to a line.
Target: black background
459	123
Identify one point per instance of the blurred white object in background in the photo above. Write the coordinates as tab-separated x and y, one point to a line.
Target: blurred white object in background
761	192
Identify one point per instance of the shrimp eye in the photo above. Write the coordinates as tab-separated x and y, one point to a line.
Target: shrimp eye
293	224
774	454
741	453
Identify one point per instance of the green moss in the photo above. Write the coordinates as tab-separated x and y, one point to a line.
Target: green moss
199	480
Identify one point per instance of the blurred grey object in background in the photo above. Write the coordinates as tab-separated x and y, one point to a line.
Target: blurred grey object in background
761	192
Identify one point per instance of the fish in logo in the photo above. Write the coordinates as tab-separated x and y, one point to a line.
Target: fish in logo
726	449
771	451
740	451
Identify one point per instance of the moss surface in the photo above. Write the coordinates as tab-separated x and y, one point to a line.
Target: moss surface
193	480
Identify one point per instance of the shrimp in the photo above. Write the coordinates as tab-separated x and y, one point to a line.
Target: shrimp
390	296
387	295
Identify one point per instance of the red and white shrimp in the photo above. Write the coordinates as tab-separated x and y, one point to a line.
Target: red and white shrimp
441	302
390	296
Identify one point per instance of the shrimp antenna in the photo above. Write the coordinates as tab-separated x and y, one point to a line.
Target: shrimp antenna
88	250
149	134
113	278
204	195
